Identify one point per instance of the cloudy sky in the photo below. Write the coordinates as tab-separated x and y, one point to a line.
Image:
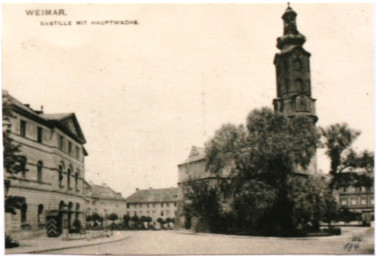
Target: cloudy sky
144	94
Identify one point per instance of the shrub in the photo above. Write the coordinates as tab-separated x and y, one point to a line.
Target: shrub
112	217
333	231
135	218
10	243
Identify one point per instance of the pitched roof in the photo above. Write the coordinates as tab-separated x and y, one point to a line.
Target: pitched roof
154	195
67	122
105	192
56	116
196	154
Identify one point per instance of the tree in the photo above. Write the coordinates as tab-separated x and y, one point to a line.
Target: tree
97	218
11	150
14	202
112	217
261	161
12	161
135	218
126	219
161	221
347	167
202	202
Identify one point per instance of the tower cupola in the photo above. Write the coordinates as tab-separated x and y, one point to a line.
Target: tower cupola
291	35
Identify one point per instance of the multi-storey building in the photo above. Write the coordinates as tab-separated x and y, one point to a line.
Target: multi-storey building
53	165
105	201
359	200
154	203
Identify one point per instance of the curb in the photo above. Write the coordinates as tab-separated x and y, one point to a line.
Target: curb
70	247
349	235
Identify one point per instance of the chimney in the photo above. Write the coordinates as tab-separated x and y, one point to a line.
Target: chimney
41	109
136	189
27	105
150	188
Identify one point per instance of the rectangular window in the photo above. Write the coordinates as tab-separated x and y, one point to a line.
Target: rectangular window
23	128
343	202
363	201
69	147
353	202
77	152
40	134
61	143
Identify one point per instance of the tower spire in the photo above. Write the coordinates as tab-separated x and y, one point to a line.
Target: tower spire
291	35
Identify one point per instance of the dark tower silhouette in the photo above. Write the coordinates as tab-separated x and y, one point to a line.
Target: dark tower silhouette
294	95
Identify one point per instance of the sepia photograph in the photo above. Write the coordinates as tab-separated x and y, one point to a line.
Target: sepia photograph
183	129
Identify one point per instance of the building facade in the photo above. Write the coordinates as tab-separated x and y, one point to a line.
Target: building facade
154	203
53	165
359	200
103	200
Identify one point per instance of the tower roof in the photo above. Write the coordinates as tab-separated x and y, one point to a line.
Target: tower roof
291	35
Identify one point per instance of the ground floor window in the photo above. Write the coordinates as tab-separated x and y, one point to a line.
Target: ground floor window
40	213
24	213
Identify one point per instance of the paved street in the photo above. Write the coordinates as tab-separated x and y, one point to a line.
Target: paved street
172	242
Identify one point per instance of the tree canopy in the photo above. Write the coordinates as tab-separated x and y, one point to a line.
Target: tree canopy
347	167
263	166
11	158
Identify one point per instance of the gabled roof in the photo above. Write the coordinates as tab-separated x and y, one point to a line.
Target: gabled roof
67	122
196	154
154	196
105	192
56	116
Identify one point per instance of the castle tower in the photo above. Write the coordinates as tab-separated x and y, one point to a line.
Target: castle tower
294	95
293	75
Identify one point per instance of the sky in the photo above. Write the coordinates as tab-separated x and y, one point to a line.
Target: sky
145	94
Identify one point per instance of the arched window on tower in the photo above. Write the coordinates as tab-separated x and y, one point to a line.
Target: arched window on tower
40	171
299	85
298	64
